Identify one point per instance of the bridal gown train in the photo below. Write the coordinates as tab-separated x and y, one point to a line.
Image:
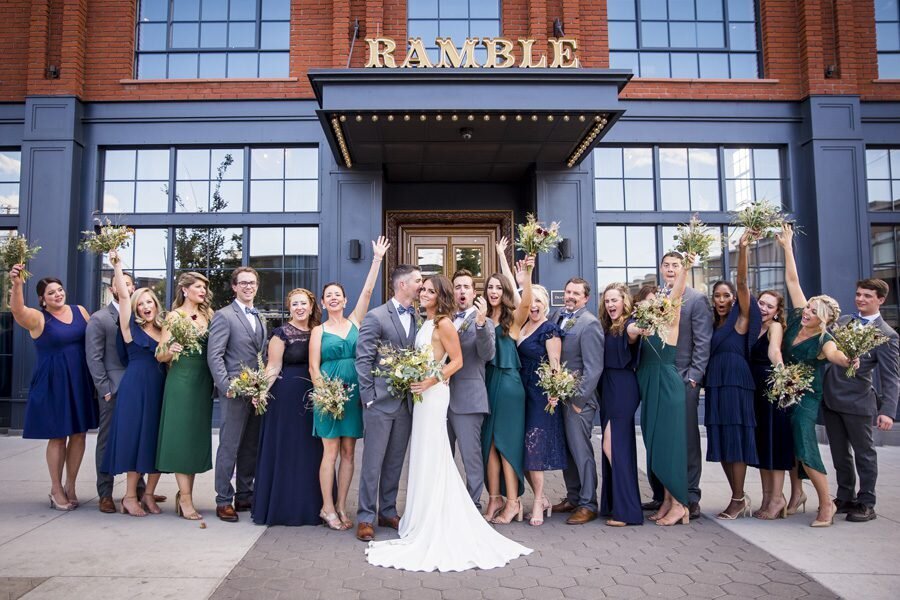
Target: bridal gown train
441	528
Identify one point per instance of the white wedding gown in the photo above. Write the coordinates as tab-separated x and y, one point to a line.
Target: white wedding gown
441	529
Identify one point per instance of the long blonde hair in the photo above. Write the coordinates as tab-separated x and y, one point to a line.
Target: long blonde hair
188	279
827	309
616	327
135	299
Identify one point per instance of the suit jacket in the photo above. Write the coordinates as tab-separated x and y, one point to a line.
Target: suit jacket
103	358
875	388
582	350
232	345
381	325
468	394
694	336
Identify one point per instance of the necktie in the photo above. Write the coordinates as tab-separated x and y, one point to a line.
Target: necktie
408	310
459	315
251	311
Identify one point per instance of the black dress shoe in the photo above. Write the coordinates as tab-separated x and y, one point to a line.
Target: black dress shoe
241	506
694	510
652	505
842	507
861	513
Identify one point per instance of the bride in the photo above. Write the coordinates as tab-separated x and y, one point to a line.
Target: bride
441	528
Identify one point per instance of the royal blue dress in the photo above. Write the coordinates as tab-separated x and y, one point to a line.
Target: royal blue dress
545	436
61	396
620	395
287	491
134	432
730	413
774	439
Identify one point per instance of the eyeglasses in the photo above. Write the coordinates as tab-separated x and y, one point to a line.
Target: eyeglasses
246	284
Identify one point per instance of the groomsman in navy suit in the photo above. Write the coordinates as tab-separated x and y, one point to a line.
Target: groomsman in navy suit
852	403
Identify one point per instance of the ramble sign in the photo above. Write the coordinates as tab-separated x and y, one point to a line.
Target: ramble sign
501	54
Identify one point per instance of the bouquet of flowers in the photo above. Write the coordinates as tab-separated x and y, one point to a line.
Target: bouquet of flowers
559	383
16	251
402	367
183	333
252	384
656	315
330	396
694	238
535	238
761	218
787	383
855	339
110	237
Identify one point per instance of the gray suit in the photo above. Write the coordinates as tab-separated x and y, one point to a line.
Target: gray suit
582	350
469	400
850	404
106	371
691	356
387	418
232	345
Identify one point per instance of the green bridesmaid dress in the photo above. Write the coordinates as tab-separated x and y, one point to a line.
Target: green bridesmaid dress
339	360
505	424
185	424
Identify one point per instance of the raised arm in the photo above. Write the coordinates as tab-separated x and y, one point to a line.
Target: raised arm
776	335
677	295
26	317
124	297
523	270
743	285
485	342
315	355
791	278
365	296
502	245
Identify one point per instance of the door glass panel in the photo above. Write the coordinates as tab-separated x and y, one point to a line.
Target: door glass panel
430	261
470	259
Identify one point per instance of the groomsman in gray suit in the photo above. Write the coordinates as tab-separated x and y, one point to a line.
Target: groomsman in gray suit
582	350
387	418
691	356
236	335
852	403
468	393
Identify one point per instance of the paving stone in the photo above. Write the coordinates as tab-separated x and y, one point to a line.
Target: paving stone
672	579
703	590
623	591
379	594
784	590
518	583
661	590
584	593
745	590
462	593
502	593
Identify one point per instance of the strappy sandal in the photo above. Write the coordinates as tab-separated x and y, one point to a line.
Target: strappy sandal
332	521
194	516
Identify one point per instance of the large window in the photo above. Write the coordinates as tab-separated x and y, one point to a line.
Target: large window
887	35
883	178
456	19
714	39
10	173
6	331
885	254
191	39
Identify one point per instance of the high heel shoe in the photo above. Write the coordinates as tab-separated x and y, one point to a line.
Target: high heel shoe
829	522
345	520
762	515
519	515
537	517
490	514
125	510
684	520
744	512
801	506
194	516
74	502
61	507
331	520
155	510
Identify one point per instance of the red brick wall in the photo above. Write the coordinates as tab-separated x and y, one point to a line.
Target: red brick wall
92	41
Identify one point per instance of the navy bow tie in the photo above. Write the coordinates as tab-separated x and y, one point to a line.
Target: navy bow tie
459	315
409	310
250	311
567	315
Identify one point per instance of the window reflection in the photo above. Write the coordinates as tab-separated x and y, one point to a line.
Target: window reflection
209	180
470	259
430	261
883	175
284	179
145	259
626	254
456	19
286	258
624	178
135	181
6	330
10	174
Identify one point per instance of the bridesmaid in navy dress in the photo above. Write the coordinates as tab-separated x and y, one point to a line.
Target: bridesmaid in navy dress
619	398
135	427
286	490
730	415
61	405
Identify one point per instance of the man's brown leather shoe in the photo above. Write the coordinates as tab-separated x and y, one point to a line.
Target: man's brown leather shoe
563	506
242	506
392	522
581	516
160	497
107	505
365	532
226	513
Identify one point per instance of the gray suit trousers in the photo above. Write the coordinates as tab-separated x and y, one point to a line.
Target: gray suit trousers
465	429
581	473
694	454
384	450
238	444
852	431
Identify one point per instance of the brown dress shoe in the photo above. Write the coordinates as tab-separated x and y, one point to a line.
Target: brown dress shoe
392	522
242	506
226	513
107	505
365	532
563	506
160	497
581	516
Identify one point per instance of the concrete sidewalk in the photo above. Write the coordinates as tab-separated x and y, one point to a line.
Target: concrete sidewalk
48	554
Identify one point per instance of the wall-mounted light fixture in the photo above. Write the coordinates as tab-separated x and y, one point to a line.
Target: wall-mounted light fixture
565	248
355	252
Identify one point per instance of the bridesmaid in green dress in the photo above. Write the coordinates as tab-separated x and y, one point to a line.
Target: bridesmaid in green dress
185	426
503	430
663	410
806	340
332	353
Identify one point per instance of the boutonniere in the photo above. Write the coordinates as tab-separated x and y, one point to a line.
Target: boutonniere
465	325
419	321
570	324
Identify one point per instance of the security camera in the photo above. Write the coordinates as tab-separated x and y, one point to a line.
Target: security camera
465	133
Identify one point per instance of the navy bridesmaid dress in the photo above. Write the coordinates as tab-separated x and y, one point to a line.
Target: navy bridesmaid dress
61	396
135	427
286	491
774	439
619	398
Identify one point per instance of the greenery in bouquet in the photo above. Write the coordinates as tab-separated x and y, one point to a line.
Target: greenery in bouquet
763	219
14	250
183	333
252	384
856	339
695	238
788	383
560	383
535	238
109	237
331	396
401	367
656	315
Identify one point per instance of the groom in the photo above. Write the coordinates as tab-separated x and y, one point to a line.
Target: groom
387	418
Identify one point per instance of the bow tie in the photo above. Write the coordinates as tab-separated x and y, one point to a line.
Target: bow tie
567	315
410	310
459	315
250	311
862	319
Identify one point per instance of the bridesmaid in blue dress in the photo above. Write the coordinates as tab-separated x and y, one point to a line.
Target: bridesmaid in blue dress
730	416
61	405
620	395
135	427
286	490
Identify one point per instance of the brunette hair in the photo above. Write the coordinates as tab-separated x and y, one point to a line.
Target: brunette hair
584	284
399	272
315	313
239	270
716	318
646	289
187	279
335	284
135	299
507	302
616	327
42	286
446	303
879	286
672	254
779	304
462	273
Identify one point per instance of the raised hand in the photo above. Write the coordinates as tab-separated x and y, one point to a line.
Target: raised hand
502	245
689	260
748	237
786	237
380	247
15	274
113	257
481	308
